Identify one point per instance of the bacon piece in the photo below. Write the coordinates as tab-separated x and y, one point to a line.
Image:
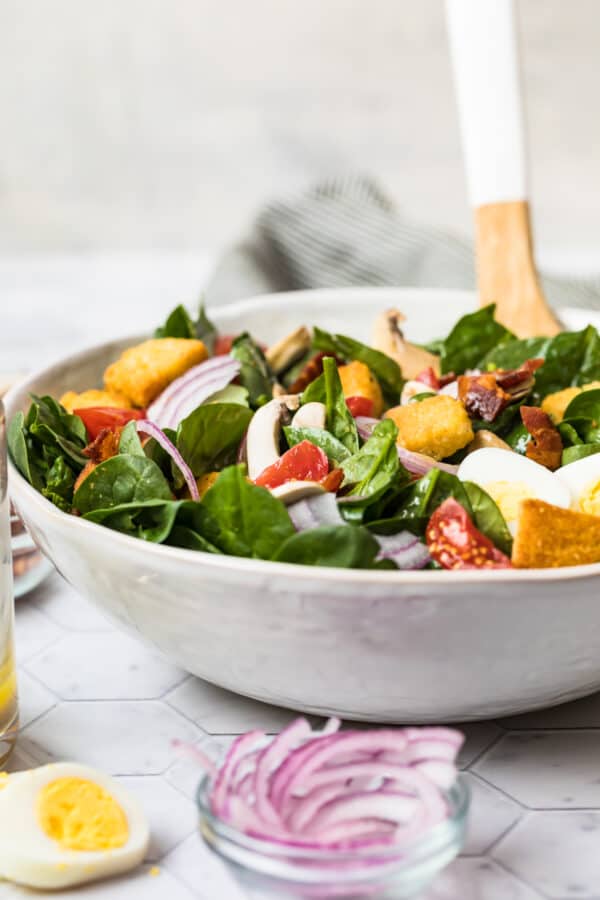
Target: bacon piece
105	445
545	446
310	372
484	396
481	396
333	480
431	379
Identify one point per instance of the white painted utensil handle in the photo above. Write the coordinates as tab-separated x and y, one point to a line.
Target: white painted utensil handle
484	49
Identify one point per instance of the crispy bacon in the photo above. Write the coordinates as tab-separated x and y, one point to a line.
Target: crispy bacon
484	396
310	372
545	446
105	445
333	480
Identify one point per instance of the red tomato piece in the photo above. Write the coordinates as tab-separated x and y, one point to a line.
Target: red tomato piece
223	344
95	418
360	406
455	543
303	462
428	377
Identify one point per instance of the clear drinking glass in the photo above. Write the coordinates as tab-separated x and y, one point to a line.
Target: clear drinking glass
9	713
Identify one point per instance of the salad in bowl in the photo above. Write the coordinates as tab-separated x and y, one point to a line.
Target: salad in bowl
477	451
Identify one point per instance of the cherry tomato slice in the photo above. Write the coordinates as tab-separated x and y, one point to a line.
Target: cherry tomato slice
303	462
360	406
223	344
455	543
95	418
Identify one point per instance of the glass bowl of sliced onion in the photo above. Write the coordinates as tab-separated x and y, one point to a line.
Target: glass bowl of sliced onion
336	814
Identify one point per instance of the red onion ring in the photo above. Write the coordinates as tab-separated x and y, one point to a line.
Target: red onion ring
191	389
145	427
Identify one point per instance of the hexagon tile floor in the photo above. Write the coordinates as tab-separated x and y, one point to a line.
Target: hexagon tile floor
91	694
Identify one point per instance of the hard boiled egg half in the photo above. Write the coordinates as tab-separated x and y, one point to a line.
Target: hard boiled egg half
582	478
64	824
509	478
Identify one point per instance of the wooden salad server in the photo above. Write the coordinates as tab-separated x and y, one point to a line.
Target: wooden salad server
483	43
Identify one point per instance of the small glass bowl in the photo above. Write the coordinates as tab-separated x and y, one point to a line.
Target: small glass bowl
267	869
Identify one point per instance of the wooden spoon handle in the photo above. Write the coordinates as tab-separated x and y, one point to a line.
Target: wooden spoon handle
486	69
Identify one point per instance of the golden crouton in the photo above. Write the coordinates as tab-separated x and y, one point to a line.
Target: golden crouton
358	381
549	536
556	404
72	400
437	426
143	371
205	482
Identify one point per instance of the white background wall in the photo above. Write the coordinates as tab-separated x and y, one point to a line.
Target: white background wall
140	124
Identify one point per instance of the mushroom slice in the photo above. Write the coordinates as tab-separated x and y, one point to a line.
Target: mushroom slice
264	431
485	438
288	350
311	415
388	337
292	491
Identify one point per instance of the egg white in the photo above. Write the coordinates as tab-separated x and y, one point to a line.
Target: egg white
491	465
30	857
581	477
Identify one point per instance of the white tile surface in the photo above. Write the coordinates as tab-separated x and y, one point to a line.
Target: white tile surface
584	713
221	712
546	770
203	872
124	738
61	603
172	818
556	852
479	879
493	814
33	630
103	666
34	699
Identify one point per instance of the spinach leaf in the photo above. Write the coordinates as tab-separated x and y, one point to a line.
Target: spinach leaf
121	479
209	437
518	439
335	450
129	441
424	395
384	368
488	518
572	454
150	520
569	434
315	392
233	393
513	353
19	451
472	337
255	374
180	324
182	536
373	468
585	406
340	422
246	520
342	546
60	481
418	500
51	425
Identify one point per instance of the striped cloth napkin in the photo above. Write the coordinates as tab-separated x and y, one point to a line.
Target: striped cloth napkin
346	232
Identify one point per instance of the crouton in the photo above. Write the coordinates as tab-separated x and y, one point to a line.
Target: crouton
556	404
205	482
358	381
143	371
71	400
437	426
549	536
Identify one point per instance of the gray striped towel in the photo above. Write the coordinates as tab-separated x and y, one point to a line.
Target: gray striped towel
346	232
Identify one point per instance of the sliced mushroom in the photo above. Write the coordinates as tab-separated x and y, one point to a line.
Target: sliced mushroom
264	431
486	438
292	491
311	415
388	337
288	350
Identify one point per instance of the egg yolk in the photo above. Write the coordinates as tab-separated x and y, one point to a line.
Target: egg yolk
589	500
508	495
81	815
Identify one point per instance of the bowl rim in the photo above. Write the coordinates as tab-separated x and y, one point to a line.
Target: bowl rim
244	565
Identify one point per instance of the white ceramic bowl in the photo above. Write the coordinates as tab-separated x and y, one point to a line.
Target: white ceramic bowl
379	646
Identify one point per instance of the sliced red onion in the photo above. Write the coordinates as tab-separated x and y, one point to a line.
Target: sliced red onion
149	428
404	549
191	389
319	510
336	790
365	426
420	464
